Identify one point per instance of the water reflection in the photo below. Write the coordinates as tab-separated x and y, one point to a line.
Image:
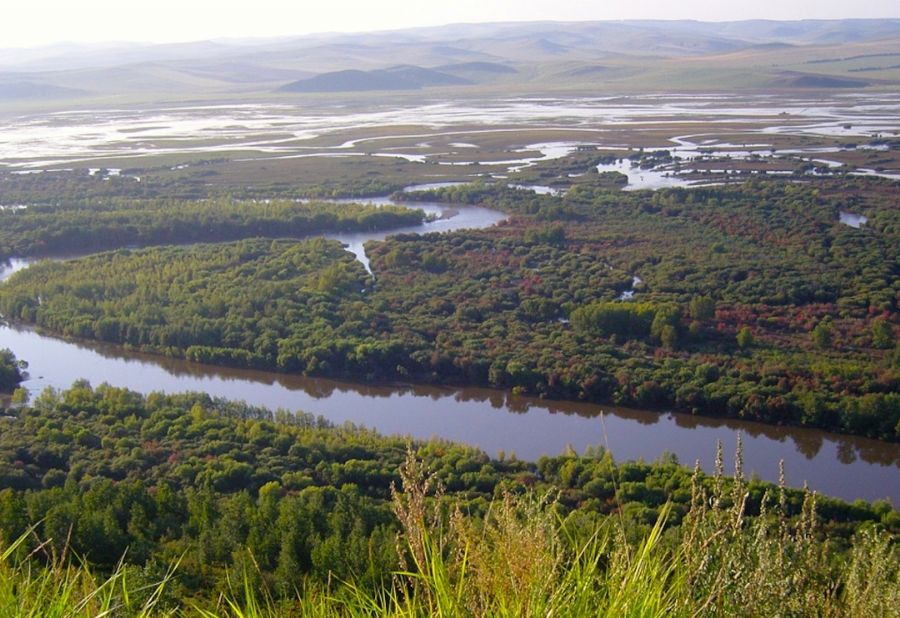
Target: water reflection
274	130
843	466
852	219
12	266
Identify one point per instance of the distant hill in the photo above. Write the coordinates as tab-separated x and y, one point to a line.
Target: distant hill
453	52
615	56
772	46
477	67
242	72
588	71
550	47
403	77
812	80
68	56
22	90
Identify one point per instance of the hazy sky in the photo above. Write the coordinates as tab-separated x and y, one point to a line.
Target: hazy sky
38	22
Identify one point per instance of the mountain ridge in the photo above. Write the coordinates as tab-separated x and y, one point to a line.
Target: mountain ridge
640	55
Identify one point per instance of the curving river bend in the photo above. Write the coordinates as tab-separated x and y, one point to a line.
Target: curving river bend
842	466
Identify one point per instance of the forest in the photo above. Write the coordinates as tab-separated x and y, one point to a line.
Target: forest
211	495
84	226
749	301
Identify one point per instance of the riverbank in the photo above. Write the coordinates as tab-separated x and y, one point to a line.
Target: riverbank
495	421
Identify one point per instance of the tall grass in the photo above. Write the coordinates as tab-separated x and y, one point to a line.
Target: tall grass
523	559
62	588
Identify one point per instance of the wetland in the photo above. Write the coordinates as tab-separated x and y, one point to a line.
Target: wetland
512	198
561	319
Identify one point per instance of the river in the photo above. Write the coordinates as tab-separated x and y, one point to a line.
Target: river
841	466
442	218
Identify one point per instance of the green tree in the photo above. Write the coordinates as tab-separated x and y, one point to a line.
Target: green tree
669	337
10	370
745	338
702	308
20	396
666	320
882	334
823	334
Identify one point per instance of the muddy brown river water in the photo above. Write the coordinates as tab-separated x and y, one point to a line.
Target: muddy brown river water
842	466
